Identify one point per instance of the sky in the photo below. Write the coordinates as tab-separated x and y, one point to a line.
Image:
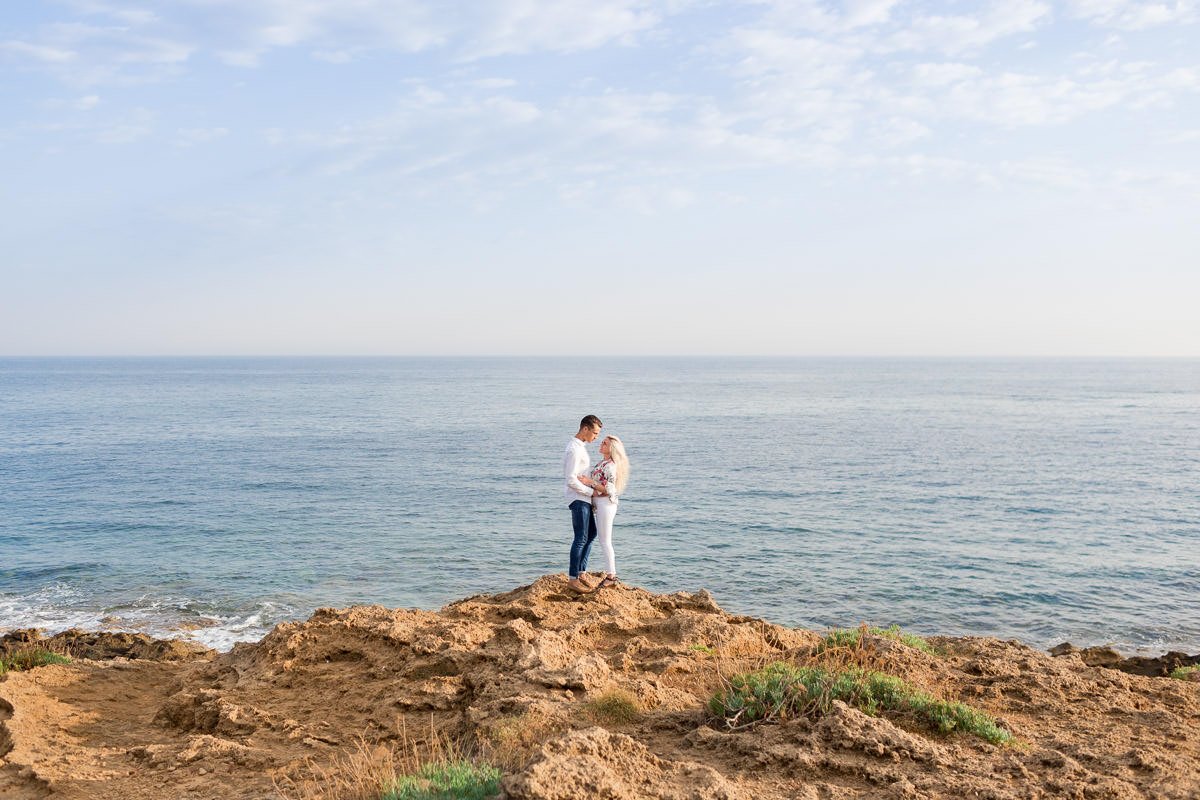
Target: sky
600	177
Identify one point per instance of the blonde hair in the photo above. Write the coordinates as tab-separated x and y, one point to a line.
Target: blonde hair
616	451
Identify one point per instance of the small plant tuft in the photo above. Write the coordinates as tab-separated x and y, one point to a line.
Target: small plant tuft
446	780
28	659
614	707
1191	673
431	767
782	690
515	739
845	638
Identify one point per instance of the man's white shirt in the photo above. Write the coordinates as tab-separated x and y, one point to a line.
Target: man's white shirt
576	463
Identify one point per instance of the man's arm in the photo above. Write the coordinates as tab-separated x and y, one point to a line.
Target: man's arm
569	472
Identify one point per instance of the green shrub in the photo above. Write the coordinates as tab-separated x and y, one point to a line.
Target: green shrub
839	637
1185	673
783	690
446	780
28	659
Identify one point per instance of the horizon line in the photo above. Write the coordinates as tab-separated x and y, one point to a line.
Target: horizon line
871	356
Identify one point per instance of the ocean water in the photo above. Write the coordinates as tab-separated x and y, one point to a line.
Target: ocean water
1043	500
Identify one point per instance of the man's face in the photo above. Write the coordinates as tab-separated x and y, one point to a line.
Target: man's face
592	433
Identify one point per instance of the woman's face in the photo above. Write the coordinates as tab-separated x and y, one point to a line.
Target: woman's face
604	448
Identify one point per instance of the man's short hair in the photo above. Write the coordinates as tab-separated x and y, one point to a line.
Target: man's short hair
590	421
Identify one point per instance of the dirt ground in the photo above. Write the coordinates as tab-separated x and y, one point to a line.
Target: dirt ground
521	678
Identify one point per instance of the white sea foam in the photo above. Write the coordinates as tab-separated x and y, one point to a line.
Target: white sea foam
61	607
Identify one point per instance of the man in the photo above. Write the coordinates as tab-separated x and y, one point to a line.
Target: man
579	500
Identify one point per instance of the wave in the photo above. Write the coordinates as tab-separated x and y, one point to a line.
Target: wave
63	606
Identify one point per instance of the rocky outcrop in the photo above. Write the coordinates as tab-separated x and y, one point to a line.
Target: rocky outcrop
1136	665
597	763
104	645
522	678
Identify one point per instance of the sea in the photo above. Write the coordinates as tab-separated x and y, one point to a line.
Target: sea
1043	500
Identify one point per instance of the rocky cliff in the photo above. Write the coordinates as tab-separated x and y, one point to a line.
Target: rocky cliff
594	696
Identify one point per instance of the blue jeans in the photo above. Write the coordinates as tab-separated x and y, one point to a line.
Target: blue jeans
584	521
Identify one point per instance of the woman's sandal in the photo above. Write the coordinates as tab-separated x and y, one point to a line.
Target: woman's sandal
608	581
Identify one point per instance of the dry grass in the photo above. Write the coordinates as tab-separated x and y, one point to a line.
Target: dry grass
877	650
514	740
613	707
357	774
15	647
30	657
718	663
370	771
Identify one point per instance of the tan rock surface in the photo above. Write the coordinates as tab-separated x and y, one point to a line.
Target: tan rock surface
515	673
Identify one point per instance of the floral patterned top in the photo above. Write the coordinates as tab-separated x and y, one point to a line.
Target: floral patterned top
605	474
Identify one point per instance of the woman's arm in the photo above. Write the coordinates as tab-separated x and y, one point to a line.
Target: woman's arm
597	489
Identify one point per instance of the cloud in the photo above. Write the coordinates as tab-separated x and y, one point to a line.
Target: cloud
137	124
874	83
896	132
968	32
85	103
334	56
1132	15
1014	99
868	12
43	53
492	83
125	14
937	75
652	200
190	137
512	112
86	55
805	60
108	129
561	26
242	32
795	83
125	133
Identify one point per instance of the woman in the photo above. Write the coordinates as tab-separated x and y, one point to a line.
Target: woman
608	480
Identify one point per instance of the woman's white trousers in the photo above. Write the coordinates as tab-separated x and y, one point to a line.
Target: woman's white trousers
605	511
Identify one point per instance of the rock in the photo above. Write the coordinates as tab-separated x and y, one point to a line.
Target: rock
598	764
587	673
106	645
1157	667
1100	656
846	727
1137	665
207	711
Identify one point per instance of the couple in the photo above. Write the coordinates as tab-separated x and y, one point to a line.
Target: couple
592	497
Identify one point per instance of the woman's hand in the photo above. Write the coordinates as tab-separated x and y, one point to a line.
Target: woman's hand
585	480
